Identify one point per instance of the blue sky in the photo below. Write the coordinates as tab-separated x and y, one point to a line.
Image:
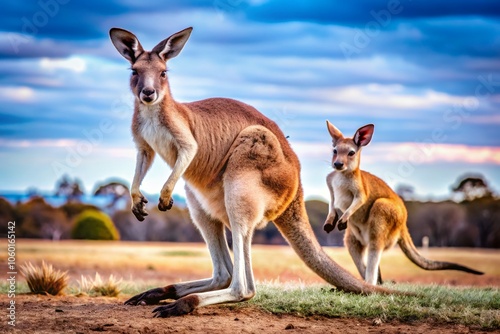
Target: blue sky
427	76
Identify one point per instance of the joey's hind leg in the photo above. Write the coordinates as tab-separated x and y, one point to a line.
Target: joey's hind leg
373	264
214	234
379	279
357	252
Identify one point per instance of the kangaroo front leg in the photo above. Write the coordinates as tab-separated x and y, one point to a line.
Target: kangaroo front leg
186	150
145	157
357	202
332	218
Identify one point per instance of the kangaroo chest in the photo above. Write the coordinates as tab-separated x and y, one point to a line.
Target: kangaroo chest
157	135
343	191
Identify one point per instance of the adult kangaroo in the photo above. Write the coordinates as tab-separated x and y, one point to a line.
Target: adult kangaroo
239	170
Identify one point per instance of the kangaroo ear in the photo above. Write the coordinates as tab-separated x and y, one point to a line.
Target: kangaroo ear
364	135
126	43
334	132
172	46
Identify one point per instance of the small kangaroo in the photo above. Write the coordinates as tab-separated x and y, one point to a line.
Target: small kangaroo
374	215
239	172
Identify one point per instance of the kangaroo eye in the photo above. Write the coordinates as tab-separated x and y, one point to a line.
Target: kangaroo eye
134	72
334	151
351	153
163	74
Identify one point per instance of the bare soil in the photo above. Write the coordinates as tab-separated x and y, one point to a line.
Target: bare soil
70	314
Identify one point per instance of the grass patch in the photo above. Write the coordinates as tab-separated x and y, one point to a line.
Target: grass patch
133	288
469	306
441	304
21	287
181	253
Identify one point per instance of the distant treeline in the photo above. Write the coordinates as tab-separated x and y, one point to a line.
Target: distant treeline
470	223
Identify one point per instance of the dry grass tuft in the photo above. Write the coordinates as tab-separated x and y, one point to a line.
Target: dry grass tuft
97	287
44	279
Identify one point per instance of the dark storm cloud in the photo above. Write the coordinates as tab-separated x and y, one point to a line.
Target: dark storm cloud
360	12
286	44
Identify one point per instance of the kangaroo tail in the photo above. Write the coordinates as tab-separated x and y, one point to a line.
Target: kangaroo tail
408	248
295	227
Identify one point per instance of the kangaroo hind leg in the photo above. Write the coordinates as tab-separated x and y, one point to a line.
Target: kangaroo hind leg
214	234
357	252
245	211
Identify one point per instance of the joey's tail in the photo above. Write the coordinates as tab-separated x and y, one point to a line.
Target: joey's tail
408	248
295	227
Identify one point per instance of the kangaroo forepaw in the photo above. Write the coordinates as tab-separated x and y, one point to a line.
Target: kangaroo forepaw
139	209
342	226
165	205
330	222
182	306
328	227
153	296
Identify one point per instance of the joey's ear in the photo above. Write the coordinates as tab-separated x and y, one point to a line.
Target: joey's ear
363	136
172	46
126	43
334	132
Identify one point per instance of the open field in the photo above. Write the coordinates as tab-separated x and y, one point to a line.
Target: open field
173	262
277	268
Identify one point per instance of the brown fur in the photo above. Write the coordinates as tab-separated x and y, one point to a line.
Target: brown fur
374	215
240	172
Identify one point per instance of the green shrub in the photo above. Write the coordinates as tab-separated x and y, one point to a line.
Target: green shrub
94	225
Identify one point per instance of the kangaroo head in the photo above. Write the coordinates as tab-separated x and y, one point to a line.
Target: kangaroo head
149	69
346	151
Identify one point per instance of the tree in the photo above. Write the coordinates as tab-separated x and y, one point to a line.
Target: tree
6	215
38	219
157	226
117	191
405	191
440	222
73	209
483	215
71	189
472	186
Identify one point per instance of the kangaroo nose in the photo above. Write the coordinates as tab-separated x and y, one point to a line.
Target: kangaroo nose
338	165
148	91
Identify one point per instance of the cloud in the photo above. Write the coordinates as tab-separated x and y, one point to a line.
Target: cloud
75	64
486	119
413	153
376	96
26	143
63	77
17	94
